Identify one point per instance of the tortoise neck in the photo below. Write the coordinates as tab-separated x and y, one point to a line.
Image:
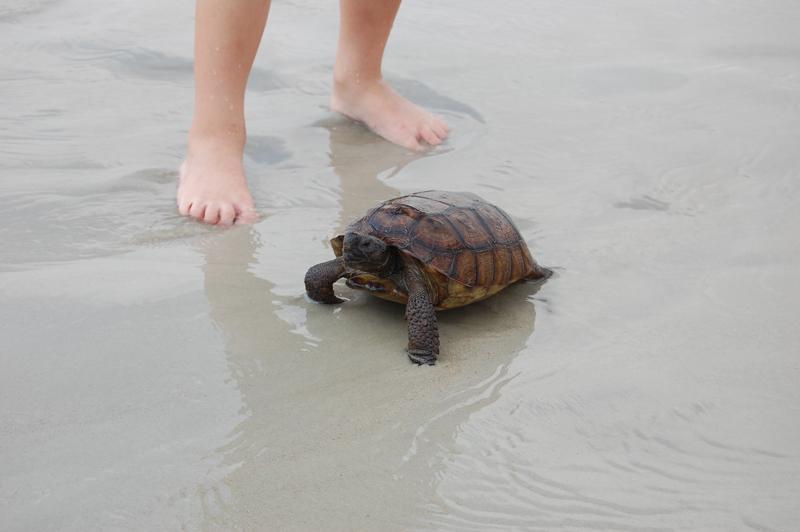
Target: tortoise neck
389	265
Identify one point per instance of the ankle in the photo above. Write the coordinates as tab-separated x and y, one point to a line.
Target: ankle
348	82
224	140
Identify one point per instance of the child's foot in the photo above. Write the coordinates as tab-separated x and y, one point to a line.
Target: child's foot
388	114
212	186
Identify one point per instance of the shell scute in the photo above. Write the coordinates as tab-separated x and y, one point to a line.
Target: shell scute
471	230
519	267
485	261
392	220
441	262
436	233
465	268
498	223
503	265
423	204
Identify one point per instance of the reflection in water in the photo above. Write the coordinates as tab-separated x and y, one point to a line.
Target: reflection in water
334	412
242	307
363	162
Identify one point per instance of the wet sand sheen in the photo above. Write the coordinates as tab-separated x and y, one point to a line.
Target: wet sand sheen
159	374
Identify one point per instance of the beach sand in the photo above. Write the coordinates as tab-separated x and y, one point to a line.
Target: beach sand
159	374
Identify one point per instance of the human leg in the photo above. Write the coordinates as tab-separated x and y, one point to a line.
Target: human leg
213	187
359	90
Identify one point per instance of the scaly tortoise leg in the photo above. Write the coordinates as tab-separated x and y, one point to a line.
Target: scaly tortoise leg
423	329
539	273
320	278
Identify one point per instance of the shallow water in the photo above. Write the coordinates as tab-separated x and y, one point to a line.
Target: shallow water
160	374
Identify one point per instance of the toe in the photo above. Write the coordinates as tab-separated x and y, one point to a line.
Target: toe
197	210
410	141
184	207
227	213
428	135
246	216
440	127
211	216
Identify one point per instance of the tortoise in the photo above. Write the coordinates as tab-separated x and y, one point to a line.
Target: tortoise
430	250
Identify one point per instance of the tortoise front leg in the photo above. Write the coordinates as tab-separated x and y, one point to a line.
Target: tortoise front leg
423	329
320	278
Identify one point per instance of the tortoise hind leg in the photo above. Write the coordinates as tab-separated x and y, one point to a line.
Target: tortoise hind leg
320	278
539	273
423	329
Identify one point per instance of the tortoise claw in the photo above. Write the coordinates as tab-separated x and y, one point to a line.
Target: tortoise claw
422	357
333	300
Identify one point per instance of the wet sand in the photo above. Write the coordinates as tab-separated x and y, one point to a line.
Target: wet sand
158	374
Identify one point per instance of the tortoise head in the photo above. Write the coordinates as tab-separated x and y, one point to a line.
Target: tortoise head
367	253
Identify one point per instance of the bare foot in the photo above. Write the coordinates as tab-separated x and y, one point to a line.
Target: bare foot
388	114
212	186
